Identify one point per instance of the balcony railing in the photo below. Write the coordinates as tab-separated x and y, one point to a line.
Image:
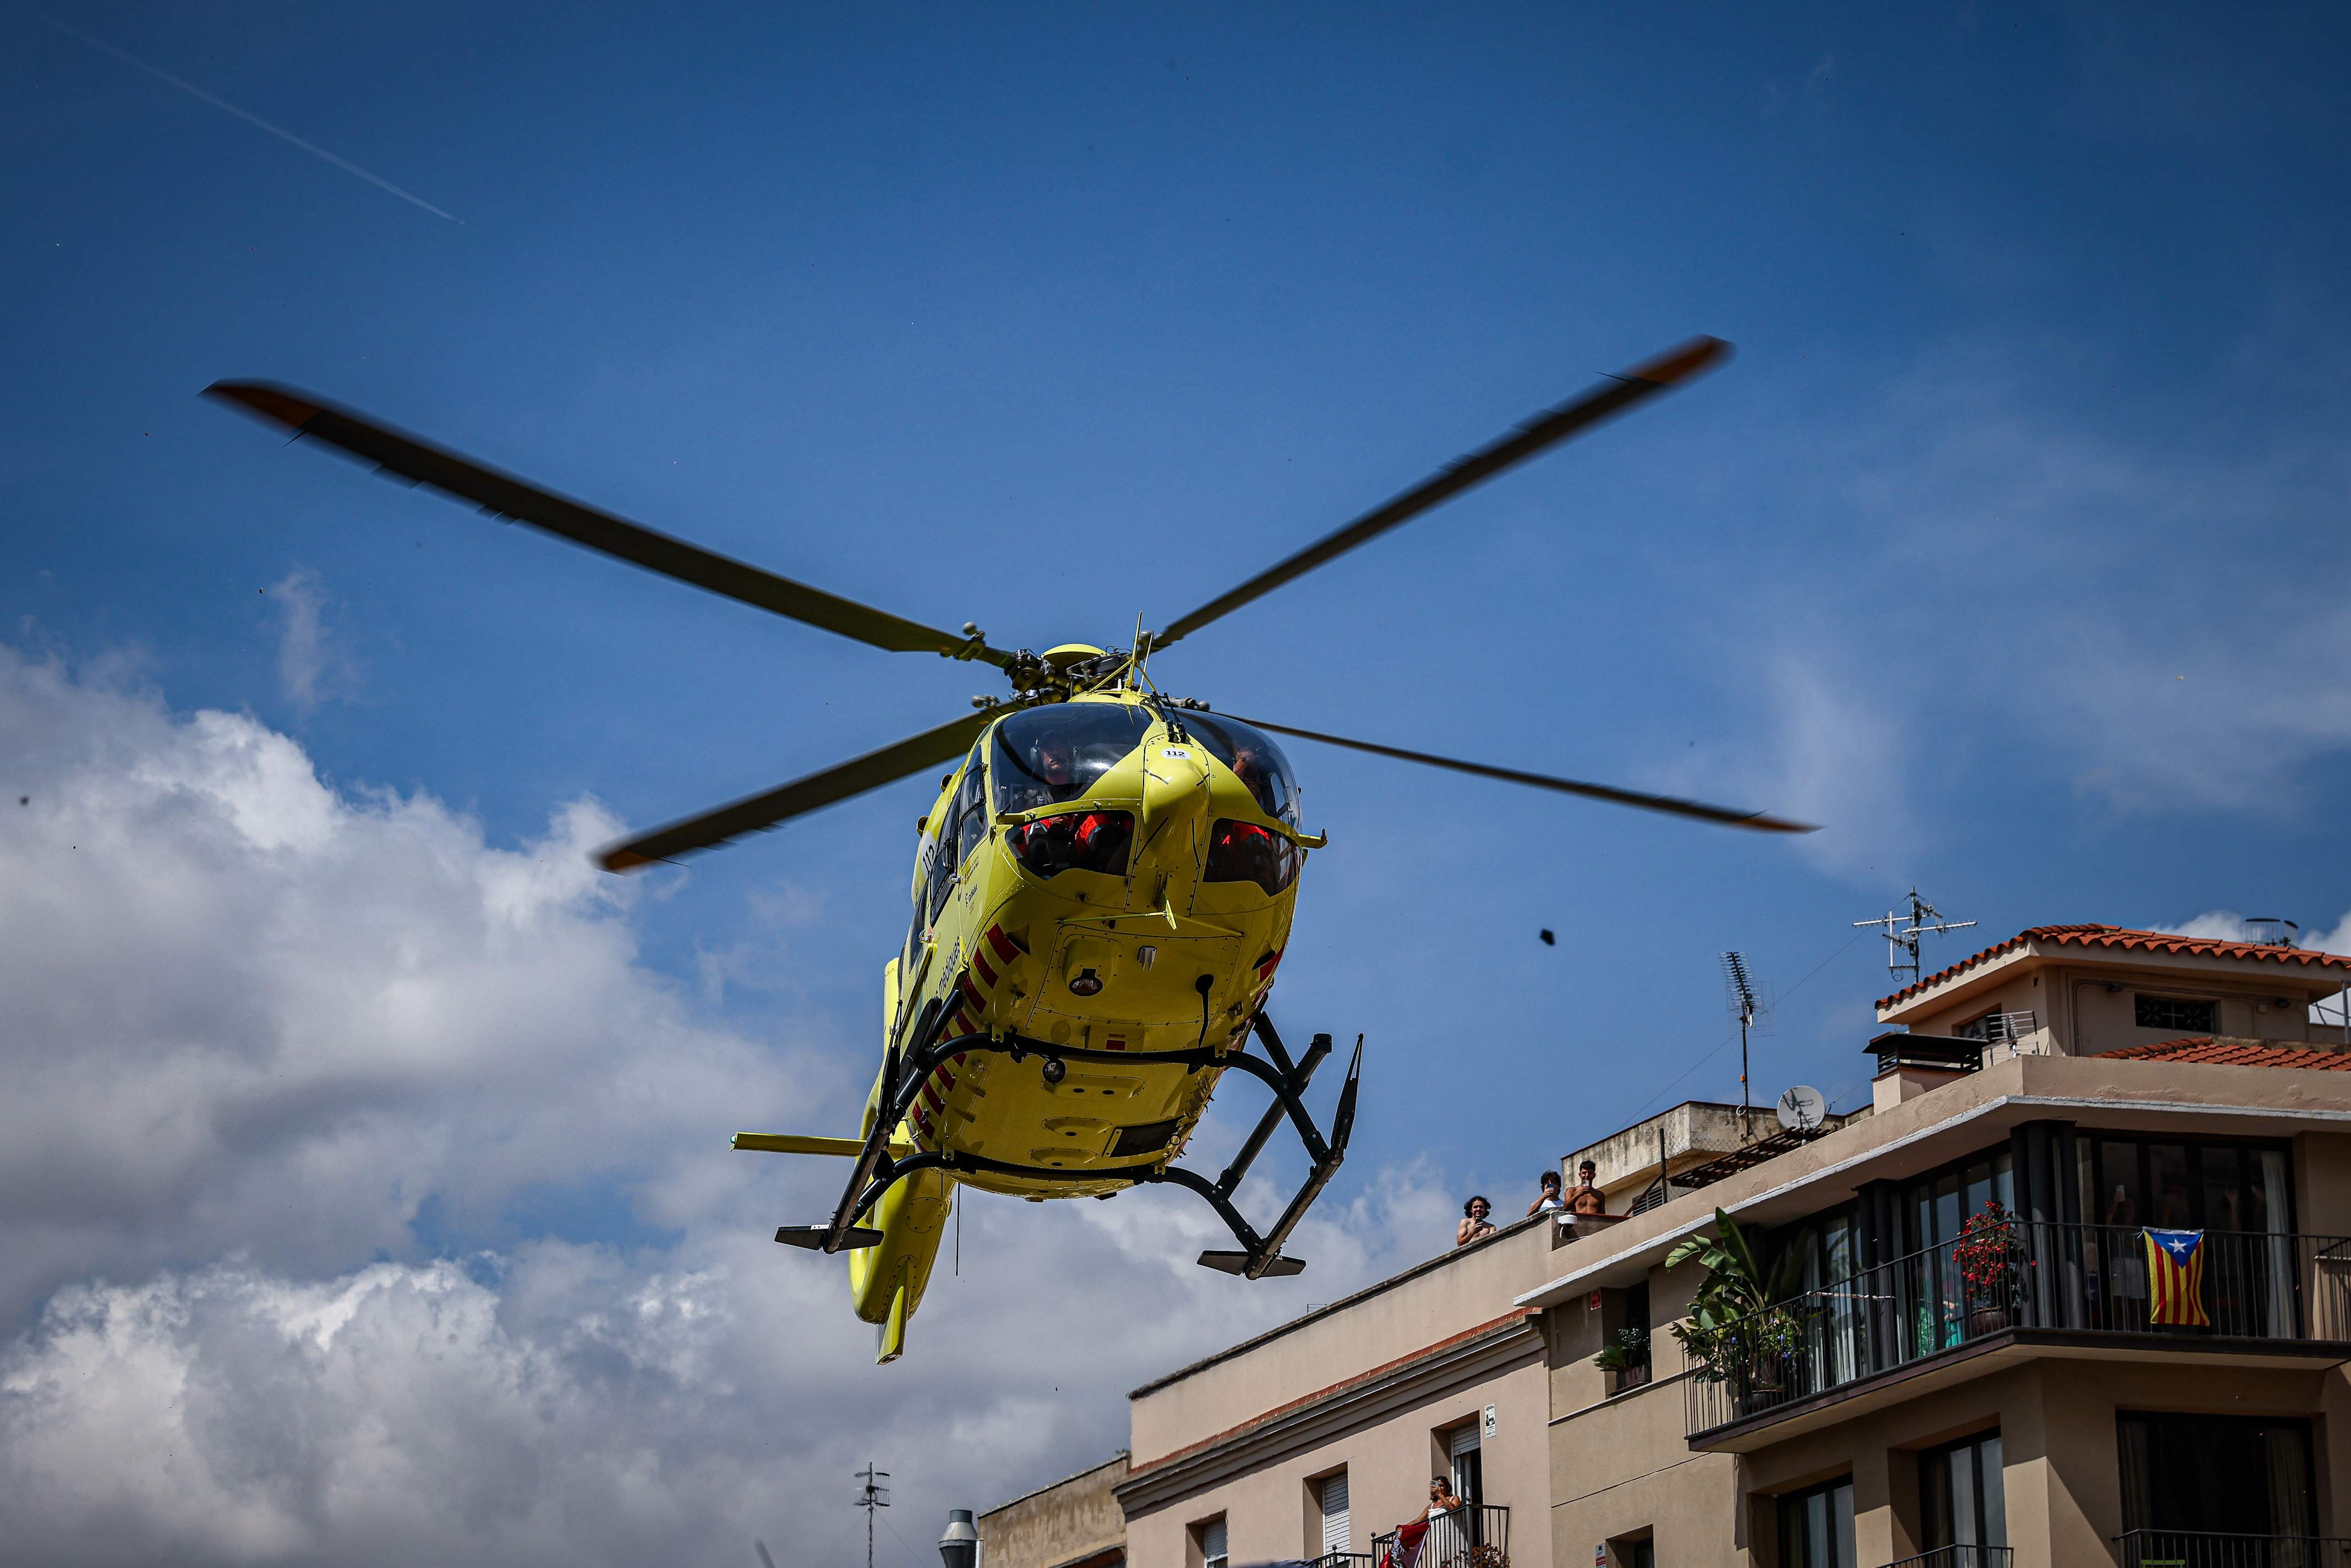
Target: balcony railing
1959	1557
2204	1549
2067	1279
1342	1559
1475	1535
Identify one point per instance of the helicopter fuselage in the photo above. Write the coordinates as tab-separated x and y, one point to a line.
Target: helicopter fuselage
1102	873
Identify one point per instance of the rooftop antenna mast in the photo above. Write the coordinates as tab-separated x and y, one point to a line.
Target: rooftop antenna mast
875	1495
1903	931
1743	992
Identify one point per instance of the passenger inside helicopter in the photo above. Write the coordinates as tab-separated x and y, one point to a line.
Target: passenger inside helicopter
1049	755
1255	761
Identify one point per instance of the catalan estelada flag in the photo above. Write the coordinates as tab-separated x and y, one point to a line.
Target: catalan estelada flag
2175	1278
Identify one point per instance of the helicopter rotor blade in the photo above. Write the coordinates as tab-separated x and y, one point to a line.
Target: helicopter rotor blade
756	814
1673	805
1546	429
502	495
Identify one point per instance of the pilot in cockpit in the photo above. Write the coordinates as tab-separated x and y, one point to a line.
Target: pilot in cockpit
1056	765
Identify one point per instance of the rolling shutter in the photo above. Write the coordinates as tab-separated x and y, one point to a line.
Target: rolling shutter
1337	1536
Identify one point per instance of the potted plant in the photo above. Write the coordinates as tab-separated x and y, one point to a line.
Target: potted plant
1740	1329
1626	1355
1986	1254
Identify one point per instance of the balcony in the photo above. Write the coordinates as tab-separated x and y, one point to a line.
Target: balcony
2053	1286
1959	1557
2203	1548
1476	1535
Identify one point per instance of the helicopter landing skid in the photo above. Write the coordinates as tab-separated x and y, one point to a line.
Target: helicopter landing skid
876	1172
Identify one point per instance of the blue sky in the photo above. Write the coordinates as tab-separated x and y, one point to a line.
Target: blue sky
2008	547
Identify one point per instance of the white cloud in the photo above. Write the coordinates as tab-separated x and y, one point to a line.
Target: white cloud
311	667
267	1039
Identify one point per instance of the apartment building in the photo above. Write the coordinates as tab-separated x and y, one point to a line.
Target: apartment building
2039	1388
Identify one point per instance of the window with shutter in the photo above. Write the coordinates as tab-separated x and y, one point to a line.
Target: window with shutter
1212	1545
1336	1534
1468	1470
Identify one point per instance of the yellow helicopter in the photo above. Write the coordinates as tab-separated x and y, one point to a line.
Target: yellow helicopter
1102	895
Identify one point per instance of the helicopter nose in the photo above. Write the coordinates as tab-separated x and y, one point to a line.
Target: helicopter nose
1174	784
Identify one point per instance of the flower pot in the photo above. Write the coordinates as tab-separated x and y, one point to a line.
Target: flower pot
1982	1321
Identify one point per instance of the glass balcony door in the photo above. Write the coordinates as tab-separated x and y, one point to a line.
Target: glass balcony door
1963	1504
2198	1479
1816	1527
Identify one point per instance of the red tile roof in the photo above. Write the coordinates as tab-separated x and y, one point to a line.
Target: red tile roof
2230	1053
2123	936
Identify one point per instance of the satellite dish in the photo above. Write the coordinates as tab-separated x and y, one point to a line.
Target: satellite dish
1801	1109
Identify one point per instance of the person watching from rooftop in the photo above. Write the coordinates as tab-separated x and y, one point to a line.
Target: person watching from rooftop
1548	1199
1475	1221
1584	1197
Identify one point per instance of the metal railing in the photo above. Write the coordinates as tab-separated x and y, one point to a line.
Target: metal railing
2080	1279
1959	1557
1342	1560
1475	1535
2206	1549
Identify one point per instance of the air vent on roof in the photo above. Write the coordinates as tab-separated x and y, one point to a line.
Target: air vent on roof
2267	933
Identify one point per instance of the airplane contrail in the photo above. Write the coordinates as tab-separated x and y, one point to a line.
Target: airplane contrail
313	148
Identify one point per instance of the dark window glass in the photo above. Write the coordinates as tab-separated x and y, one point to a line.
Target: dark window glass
1636	1317
1254	759
2230	1475
1961	1498
1978	1191
2222	1184
1817	1528
1074	841
2231	1186
1936	1207
2122	1190
1243	852
2166	1182
969	809
2174	1013
1051	754
938	876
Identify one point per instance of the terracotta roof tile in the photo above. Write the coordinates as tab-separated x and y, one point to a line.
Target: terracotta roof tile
2123	937
2225	1051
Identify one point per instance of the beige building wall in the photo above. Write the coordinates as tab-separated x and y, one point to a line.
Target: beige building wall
1074	1521
1371	1384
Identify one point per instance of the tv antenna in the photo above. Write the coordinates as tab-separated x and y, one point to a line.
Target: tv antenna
1903	931
874	1495
1750	1003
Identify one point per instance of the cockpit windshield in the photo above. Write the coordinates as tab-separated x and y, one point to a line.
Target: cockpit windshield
1255	761
1055	753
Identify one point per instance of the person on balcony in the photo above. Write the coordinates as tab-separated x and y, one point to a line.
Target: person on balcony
1406	1541
1548	1200
1585	1198
1474	1223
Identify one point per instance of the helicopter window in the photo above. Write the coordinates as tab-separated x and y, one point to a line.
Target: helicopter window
968	820
1243	852
1254	758
1048	755
941	876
